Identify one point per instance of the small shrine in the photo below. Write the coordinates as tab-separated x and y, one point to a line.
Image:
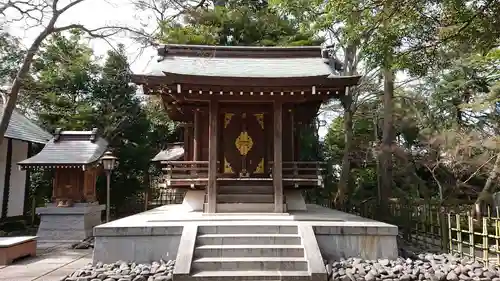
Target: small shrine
243	111
74	157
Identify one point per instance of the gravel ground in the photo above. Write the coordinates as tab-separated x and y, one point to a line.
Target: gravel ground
412	265
122	271
433	267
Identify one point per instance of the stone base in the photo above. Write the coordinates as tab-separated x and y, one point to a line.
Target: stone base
156	234
68	224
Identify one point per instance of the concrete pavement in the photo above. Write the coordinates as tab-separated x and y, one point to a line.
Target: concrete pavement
52	263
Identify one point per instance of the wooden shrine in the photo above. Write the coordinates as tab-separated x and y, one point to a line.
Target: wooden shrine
243	110
74	157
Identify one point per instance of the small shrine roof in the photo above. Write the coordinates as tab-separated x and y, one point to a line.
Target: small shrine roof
243	61
21	128
69	149
172	153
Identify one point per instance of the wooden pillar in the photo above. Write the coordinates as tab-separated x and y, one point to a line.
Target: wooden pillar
212	157
185	140
278	157
196	136
6	187
292	130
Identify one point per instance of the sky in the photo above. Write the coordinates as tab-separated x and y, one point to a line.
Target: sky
99	13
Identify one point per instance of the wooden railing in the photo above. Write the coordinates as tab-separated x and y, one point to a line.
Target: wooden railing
195	173
185	173
302	172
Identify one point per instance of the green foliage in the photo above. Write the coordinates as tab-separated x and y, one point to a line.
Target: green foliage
65	74
250	24
10	57
69	89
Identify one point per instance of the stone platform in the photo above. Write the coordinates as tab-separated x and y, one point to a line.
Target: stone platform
243	246
156	234
68	224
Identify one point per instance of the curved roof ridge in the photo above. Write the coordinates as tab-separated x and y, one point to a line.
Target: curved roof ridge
240	51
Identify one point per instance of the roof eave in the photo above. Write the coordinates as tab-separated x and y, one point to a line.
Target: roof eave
27	140
354	79
53	164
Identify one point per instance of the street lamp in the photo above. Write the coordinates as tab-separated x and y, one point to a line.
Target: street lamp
108	162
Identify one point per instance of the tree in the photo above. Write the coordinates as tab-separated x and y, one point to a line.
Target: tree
231	23
68	88
36	11
46	14
10	57
123	122
59	93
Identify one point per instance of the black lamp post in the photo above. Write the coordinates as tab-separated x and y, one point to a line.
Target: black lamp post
109	163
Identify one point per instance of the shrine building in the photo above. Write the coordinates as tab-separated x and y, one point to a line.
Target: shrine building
243	217
243	110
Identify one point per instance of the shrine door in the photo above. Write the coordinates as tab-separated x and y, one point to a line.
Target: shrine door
243	144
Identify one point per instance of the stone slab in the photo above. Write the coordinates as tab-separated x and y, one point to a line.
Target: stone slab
17	248
11	241
312	253
77	208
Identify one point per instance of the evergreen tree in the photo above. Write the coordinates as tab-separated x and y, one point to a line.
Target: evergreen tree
119	115
236	22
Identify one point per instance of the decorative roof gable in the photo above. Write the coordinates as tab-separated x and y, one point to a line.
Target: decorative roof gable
69	149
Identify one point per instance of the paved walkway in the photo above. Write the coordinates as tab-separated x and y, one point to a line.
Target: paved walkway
52	263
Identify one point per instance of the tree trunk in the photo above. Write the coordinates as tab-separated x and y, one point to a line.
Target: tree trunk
485	201
10	104
340	197
387	144
387	129
350	68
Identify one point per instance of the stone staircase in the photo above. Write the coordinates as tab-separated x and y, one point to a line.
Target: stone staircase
249	252
245	198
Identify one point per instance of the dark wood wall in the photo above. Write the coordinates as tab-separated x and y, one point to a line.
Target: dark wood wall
292	120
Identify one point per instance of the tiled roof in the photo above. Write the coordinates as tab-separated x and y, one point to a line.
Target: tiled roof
243	61
242	67
175	152
70	148
21	128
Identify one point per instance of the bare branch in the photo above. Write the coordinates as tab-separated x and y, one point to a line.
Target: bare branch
67	7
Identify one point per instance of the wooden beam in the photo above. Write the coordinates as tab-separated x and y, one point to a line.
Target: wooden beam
278	157
319	80
212	157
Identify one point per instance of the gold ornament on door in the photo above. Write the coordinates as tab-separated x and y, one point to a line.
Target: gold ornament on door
227	118
244	143
260	167
227	167
260	119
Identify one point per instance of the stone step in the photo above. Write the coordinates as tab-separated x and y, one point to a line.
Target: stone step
258	275
248	229
248	239
245	189
245	198
249	263
247	251
246	207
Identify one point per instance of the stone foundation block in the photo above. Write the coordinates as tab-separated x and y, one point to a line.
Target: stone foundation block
68	224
